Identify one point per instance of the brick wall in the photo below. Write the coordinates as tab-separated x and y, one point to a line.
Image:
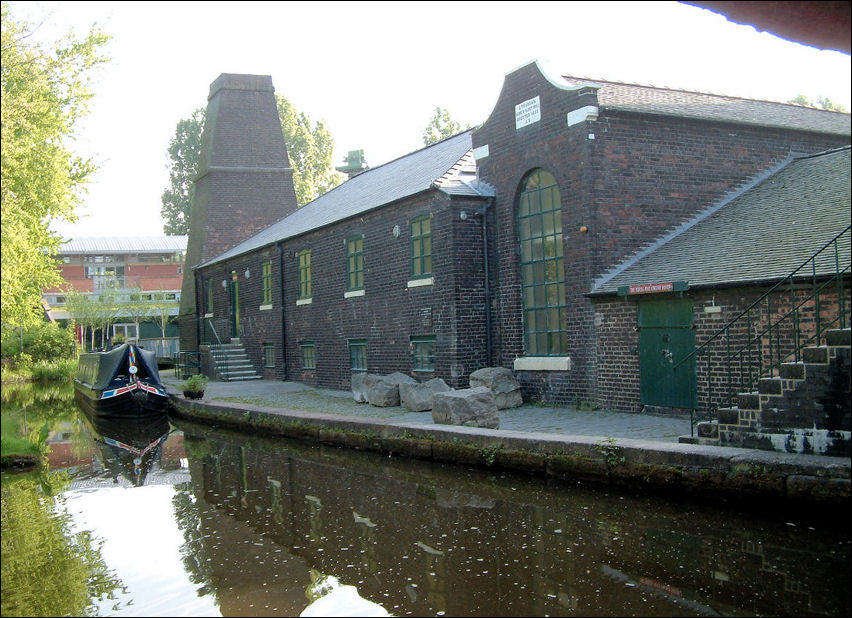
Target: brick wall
627	178
245	181
387	315
618	386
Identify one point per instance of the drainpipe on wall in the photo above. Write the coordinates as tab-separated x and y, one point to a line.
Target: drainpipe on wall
283	309
482	212
197	277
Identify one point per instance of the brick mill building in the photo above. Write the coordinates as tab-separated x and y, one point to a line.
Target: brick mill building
560	239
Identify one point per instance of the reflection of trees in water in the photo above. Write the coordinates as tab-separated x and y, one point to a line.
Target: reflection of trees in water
47	570
35	409
194	551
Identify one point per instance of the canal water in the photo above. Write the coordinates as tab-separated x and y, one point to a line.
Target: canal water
171	518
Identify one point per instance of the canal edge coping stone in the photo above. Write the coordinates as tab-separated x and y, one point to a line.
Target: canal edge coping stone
637	464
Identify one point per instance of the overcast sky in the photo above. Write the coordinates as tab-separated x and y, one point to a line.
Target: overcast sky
374	72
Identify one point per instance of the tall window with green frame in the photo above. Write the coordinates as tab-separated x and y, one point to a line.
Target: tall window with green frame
355	263
305	274
421	247
542	266
266	280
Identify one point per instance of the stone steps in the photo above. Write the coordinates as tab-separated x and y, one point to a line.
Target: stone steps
779	403
232	363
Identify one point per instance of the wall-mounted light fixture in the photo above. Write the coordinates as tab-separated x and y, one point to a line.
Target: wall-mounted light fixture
462	215
248	273
396	231
224	283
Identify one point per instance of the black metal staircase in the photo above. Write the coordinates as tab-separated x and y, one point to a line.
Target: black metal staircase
771	371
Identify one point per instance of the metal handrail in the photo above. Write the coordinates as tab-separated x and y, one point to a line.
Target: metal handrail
219	343
752	348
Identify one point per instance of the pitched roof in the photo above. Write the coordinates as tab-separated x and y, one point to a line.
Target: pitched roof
445	166
124	244
713	107
759	234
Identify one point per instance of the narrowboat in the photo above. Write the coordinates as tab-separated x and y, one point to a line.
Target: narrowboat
122	382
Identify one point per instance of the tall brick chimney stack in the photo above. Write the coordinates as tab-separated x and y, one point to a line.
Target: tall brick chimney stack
244	182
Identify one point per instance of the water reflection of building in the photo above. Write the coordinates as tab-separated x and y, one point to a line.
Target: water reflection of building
423	539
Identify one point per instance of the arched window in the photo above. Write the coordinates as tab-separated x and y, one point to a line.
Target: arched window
542	266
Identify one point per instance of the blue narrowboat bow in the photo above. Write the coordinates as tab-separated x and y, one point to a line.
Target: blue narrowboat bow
122	382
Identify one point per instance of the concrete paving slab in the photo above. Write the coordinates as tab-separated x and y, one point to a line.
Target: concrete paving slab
527	418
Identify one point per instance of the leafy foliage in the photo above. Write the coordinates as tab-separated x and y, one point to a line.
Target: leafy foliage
184	153
310	148
44	93
821	102
45	341
441	126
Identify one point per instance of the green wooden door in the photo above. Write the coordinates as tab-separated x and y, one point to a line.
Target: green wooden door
666	337
235	308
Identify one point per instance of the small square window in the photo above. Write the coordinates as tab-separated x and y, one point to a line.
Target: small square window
309	355
268	355
358	354
423	351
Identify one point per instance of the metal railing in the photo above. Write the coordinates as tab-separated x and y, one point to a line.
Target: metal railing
776	327
209	335
163	347
186	363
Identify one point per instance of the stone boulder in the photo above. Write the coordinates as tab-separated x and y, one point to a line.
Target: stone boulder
418	397
384	392
502	382
471	407
361	382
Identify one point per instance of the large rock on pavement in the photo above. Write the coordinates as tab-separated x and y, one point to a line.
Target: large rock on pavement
418	397
502	382
361	382
471	407
385	392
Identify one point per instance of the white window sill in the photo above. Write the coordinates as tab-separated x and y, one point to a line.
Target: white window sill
353	294
543	363
208	315
304	301
265	307
416	283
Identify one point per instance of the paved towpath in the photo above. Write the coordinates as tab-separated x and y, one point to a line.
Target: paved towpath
534	418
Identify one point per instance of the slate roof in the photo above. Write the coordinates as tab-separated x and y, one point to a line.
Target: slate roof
126	244
759	234
447	166
712	107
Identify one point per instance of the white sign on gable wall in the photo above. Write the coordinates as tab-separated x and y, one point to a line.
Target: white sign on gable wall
527	113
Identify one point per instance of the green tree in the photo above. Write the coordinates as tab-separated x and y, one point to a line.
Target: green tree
821	102
45	90
184	153
309	146
441	126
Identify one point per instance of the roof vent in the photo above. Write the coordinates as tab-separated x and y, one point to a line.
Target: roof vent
355	163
